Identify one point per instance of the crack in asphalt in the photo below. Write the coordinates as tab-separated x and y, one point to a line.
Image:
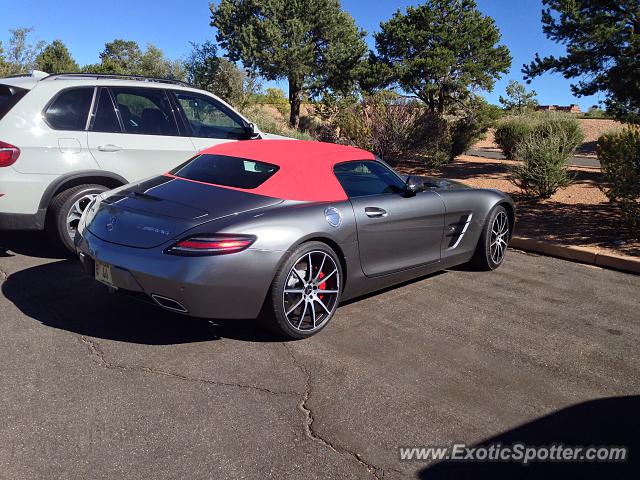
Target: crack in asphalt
375	472
99	358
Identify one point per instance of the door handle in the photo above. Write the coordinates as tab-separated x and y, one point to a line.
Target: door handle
109	148
375	212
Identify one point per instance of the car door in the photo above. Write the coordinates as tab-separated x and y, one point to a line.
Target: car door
208	121
396	231
134	133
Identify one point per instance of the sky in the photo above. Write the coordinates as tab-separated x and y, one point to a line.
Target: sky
85	25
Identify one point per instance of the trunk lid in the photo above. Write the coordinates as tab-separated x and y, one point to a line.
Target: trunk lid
150	213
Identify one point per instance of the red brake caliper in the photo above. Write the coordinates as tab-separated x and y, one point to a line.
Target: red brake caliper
322	286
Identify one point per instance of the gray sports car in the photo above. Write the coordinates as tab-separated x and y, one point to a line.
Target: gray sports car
285	230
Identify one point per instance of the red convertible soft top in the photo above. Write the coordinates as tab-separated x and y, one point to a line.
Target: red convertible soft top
306	168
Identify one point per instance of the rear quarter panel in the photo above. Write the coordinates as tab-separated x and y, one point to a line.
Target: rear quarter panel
283	227
44	151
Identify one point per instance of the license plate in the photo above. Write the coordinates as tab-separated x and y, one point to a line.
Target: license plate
103	273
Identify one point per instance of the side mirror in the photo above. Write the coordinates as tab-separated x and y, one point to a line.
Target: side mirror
413	185
252	131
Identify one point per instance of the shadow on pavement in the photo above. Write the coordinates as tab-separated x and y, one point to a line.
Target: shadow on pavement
31	244
603	422
60	295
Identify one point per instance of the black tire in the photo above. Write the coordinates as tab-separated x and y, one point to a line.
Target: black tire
484	258
274	314
59	211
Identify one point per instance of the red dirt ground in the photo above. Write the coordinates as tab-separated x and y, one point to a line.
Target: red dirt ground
576	215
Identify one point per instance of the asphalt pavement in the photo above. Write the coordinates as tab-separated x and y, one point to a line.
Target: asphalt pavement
93	385
573	161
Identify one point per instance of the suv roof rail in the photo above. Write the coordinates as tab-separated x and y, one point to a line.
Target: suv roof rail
37	74
117	76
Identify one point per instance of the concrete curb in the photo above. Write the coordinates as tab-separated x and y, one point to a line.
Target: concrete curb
587	255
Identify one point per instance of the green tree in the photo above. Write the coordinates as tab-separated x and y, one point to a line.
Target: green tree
4	65
205	70
153	63
373	75
20	56
121	57
596	112
275	96
202	65
518	100
55	58
602	39
441	49
314	44
124	57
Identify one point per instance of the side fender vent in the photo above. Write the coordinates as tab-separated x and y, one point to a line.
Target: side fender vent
456	230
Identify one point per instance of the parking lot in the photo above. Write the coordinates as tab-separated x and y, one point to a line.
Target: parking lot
97	386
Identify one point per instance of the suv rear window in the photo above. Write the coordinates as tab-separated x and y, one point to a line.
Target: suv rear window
69	110
9	96
226	171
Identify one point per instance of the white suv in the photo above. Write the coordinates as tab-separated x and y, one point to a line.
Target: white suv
66	138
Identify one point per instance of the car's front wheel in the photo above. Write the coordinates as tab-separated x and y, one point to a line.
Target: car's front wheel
305	292
65	211
493	242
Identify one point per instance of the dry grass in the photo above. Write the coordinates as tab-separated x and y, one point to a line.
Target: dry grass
577	215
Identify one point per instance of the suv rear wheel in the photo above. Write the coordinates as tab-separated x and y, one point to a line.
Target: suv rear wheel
65	211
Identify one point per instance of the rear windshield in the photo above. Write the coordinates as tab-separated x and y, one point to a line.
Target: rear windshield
9	96
226	171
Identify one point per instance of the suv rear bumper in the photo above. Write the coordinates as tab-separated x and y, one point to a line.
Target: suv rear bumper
23	221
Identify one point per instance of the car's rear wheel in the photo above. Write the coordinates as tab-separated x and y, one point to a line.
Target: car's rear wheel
494	239
65	211
305	292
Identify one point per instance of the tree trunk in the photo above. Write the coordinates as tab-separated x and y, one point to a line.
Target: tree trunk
431	103
295	95
441	94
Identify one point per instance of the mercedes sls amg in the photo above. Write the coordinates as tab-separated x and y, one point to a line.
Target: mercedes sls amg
285	230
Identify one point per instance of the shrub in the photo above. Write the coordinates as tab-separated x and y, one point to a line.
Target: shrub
437	159
394	128
562	124
512	131
277	98
472	126
269	123
619	155
403	129
544	167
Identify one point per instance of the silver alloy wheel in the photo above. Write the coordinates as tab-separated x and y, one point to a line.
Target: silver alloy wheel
75	212
499	237
311	291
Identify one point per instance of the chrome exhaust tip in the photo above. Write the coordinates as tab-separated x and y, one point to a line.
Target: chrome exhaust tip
169	303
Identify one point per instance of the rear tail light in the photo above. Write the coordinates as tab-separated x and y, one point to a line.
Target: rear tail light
211	245
8	154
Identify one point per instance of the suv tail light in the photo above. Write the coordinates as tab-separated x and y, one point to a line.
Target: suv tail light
211	245
8	154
